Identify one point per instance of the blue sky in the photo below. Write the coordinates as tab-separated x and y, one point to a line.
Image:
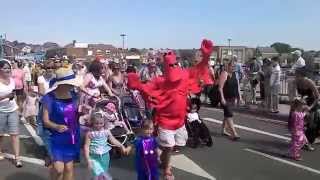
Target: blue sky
163	23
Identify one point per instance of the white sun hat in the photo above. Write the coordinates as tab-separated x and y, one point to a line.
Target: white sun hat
63	76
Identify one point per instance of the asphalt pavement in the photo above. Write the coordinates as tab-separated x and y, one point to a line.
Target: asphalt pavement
258	155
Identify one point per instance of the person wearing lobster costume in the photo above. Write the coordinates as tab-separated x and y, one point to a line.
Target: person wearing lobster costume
168	95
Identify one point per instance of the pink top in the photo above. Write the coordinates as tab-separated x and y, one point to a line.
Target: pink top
298	123
18	76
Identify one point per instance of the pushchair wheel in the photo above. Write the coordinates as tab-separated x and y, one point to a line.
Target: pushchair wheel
209	142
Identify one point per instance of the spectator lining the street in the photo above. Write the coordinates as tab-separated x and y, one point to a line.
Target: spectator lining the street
296	126
300	62
307	89
275	85
229	91
267	70
9	119
239	73
253	74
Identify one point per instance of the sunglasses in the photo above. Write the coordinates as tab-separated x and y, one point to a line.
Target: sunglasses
174	65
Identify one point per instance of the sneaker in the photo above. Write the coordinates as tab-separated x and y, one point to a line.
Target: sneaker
18	163
308	147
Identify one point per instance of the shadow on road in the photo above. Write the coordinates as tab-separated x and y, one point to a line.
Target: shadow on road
266	144
24	175
278	154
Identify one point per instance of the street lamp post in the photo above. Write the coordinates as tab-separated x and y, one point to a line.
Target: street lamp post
1	47
229	44
123	51
123	36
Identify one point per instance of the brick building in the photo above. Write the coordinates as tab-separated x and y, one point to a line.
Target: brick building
84	51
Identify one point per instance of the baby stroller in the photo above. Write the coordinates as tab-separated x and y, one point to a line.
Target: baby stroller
133	109
197	130
114	121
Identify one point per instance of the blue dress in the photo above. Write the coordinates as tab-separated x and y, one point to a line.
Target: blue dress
64	147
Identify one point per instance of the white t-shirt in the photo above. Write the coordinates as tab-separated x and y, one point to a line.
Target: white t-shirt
7	105
27	73
275	75
193	117
299	64
42	80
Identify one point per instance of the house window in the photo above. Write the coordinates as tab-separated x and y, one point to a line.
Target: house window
90	53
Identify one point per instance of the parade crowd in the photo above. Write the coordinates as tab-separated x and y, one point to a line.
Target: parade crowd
80	107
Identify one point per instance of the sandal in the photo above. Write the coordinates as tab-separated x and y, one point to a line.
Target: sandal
18	163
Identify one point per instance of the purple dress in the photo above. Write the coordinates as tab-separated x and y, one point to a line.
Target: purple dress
65	147
298	139
146	158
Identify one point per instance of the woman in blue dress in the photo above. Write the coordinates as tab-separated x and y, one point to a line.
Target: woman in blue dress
60	116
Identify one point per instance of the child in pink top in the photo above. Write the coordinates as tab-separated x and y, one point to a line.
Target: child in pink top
296	127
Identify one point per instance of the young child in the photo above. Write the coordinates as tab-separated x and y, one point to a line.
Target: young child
146	152
30	106
197	130
112	117
96	148
296	127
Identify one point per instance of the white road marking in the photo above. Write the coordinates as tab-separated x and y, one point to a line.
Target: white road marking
33	133
257	118
182	162
26	159
22	136
284	161
250	129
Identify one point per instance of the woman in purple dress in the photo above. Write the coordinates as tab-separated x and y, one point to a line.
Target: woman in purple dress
60	117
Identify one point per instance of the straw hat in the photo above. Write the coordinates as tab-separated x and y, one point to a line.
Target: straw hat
64	76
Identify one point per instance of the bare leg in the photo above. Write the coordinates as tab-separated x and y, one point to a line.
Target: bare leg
15	145
230	123
165	159
51	172
58	170
68	171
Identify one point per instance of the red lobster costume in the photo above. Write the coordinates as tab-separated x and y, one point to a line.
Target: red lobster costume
168	93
